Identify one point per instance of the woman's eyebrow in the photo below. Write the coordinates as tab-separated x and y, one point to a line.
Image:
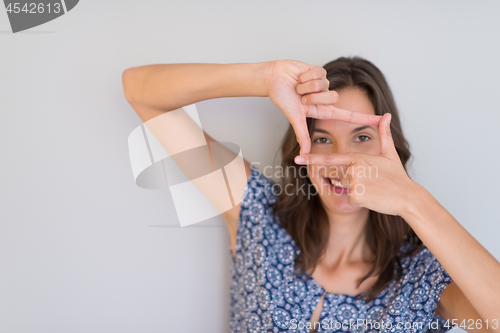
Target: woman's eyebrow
319	130
357	129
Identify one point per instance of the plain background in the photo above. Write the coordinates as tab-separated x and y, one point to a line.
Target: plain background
83	249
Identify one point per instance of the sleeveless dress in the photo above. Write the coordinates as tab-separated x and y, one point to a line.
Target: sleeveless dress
265	295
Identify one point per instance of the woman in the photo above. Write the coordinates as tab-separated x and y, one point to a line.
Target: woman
337	244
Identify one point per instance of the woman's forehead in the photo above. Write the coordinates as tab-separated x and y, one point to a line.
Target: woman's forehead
356	100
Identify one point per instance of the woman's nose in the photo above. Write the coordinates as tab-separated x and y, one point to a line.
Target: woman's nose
340	149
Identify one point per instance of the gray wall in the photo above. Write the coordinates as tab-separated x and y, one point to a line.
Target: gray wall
82	248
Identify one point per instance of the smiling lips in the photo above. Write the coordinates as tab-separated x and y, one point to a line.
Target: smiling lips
335	182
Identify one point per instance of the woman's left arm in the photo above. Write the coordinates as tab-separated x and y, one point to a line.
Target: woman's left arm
475	292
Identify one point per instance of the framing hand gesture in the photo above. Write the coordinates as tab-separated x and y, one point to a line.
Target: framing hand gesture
379	183
300	90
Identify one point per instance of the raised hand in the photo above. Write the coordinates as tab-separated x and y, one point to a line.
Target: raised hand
379	183
301	90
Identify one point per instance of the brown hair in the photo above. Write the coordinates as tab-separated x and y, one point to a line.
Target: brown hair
303	215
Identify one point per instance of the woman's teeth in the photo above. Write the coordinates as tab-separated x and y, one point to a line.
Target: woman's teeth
335	183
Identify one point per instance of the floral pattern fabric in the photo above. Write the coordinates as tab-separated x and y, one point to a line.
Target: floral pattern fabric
265	295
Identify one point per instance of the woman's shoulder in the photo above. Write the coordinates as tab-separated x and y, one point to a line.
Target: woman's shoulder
418	259
257	214
423	274
259	189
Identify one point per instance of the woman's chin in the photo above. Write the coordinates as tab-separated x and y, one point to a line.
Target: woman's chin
339	203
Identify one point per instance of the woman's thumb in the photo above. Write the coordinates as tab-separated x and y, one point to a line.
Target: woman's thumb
386	143
302	134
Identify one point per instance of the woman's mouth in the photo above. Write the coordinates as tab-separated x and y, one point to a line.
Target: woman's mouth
335	186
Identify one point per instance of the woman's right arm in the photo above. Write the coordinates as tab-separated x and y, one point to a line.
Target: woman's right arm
153	90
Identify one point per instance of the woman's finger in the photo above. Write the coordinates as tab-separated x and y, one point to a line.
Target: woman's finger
316	72
312	86
387	147
324	97
299	126
326	159
324	111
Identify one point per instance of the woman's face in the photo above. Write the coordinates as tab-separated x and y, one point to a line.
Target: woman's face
335	136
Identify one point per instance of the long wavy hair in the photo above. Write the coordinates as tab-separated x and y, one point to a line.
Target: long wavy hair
303	215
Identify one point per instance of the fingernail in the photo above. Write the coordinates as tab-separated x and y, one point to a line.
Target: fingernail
304	99
389	120
299	159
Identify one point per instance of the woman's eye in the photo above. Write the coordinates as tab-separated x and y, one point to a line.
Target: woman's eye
321	140
363	138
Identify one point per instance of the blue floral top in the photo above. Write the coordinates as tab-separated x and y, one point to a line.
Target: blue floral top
267	297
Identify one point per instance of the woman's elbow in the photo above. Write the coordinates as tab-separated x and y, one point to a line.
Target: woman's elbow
130	83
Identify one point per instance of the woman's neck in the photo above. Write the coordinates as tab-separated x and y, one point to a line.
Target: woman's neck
347	241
